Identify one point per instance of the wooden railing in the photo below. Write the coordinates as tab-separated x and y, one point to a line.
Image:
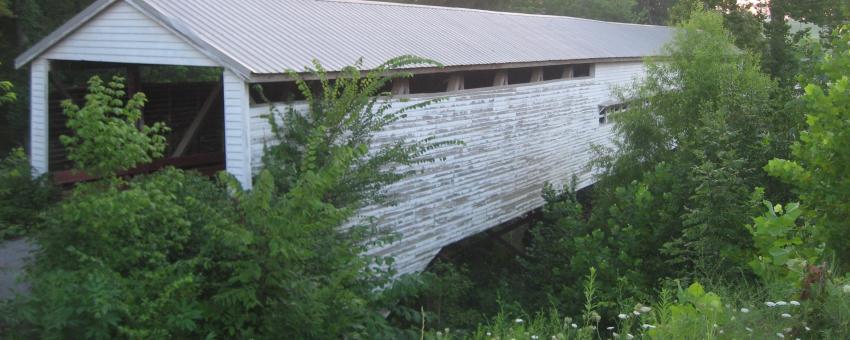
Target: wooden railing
207	164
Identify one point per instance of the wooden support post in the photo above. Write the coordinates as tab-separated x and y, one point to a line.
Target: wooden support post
568	72
537	75
39	119
456	82
401	86
196	123
501	78
237	128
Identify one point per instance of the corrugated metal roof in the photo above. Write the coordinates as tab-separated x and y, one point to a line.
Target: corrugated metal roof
266	37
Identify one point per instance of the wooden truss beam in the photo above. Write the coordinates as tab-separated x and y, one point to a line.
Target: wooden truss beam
196	123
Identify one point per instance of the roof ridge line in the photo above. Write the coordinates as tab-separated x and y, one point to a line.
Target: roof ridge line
465	9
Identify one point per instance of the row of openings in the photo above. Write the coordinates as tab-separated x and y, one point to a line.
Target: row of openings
438	82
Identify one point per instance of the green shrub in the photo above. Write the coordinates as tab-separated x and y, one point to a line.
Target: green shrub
820	167
22	196
174	255
106	137
786	249
347	112
138	261
700	128
684	313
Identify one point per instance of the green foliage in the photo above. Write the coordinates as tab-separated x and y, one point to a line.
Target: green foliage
785	248
706	127
6	93
343	117
820	166
692	317
174	255
138	260
613	248
607	10
106	139
544	325
444	295
22	197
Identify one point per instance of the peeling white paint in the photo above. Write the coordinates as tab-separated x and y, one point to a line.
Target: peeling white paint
516	139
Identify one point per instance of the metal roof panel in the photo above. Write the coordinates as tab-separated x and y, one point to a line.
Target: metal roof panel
268	37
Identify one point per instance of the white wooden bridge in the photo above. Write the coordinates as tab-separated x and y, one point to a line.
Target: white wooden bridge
526	93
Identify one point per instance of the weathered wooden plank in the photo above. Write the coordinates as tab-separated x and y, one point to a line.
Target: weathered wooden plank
516	137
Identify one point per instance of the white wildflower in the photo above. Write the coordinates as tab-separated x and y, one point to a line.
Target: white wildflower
745	310
573	325
846	289
748	329
519	321
780	335
770	304
610	328
534	337
786	315
629	336
808	329
788	330
616	335
636	313
721	331
645	309
732	318
647	326
489	334
794	303
781	303
439	333
623	316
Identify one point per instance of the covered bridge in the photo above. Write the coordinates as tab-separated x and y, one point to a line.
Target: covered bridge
528	94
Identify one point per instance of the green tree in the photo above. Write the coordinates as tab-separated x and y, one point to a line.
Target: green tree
654	12
22	24
820	165
781	55
106	138
697	134
745	25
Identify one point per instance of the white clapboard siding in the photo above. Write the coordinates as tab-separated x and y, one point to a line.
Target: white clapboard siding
237	128
123	34
39	143
516	139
